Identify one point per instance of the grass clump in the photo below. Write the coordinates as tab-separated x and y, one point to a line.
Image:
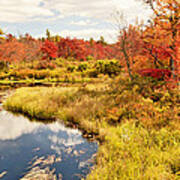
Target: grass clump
40	103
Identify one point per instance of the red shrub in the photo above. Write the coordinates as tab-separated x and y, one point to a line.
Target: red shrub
49	49
155	73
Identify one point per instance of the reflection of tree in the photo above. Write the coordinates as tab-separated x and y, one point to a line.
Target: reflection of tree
44	121
32	119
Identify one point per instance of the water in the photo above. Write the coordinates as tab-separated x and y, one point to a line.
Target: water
33	150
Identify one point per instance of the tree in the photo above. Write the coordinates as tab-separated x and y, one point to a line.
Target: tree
102	41
57	38
1	33
130	44
166	21
48	34
23	49
49	49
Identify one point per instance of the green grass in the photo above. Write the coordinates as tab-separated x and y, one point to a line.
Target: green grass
138	127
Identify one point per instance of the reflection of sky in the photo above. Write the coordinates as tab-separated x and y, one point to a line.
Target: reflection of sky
71	141
12	127
22	140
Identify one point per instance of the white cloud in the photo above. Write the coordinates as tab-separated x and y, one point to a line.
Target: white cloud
23	10
98	9
110	35
83	23
101	9
95	15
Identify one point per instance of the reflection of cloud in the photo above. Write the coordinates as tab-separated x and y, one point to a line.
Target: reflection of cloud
57	144
57	149
3	174
11	126
65	143
56	127
40	173
72	140
82	164
87	162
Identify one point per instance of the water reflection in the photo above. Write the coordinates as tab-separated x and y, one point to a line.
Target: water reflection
11	126
34	150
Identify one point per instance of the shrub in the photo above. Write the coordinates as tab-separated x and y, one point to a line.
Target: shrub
160	74
71	68
3	65
82	67
49	49
88	58
41	74
110	67
45	65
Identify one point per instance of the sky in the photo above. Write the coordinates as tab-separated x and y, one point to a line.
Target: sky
72	18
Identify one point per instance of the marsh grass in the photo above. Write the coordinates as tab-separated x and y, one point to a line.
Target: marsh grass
132	152
40	103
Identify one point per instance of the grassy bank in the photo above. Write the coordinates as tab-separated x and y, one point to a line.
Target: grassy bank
137	125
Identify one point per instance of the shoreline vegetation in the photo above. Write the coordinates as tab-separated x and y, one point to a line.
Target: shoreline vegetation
138	127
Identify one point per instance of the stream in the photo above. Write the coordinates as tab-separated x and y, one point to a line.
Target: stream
36	150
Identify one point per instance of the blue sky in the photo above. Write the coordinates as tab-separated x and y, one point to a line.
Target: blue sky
74	18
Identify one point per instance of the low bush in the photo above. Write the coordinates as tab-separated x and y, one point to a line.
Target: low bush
110	67
82	67
43	64
160	74
71	68
3	65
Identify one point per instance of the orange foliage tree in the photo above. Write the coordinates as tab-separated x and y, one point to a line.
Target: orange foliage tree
129	46
23	49
161	38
